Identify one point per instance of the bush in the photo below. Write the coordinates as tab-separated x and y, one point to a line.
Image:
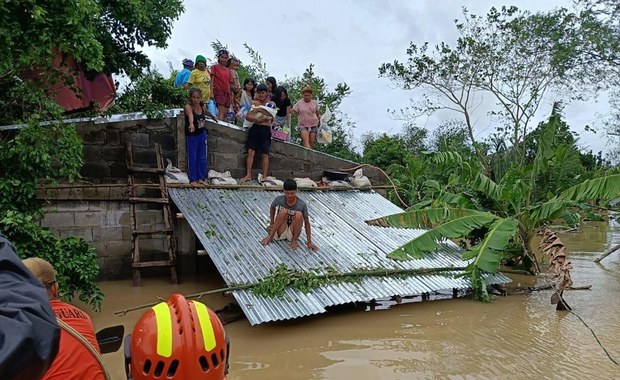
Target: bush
45	153
151	93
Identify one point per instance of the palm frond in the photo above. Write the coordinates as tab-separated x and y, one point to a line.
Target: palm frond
429	240
604	188
489	252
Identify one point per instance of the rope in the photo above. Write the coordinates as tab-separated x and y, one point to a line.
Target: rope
394	187
570	310
86	343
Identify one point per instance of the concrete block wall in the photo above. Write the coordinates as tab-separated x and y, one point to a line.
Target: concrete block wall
106	226
100	214
104	146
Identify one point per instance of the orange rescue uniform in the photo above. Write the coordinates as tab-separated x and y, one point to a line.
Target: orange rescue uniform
74	361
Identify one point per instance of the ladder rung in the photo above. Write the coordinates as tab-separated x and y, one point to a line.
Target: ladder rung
166	231
150	200
137	169
145	264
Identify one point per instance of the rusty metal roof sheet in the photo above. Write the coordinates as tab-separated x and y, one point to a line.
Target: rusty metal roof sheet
231	223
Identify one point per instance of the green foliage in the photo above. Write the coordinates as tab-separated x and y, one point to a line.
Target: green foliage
150	93
42	154
507	213
74	260
281	278
445	223
101	35
384	150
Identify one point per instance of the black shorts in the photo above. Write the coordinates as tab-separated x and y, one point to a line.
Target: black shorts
259	138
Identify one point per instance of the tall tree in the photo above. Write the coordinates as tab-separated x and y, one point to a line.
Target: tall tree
515	57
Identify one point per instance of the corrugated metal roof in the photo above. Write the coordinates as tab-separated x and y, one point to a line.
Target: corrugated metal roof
231	223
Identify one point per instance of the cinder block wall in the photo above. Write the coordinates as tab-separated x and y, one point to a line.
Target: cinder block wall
99	213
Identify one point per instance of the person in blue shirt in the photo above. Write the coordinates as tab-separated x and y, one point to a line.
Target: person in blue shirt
183	75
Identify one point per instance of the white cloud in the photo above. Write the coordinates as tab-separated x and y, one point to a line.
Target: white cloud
347	41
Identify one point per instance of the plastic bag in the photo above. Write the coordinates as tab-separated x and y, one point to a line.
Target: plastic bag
243	112
327	116
324	134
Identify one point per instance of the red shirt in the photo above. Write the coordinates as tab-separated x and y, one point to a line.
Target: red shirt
74	361
221	77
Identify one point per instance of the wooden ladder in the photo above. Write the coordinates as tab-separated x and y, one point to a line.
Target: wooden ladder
137	188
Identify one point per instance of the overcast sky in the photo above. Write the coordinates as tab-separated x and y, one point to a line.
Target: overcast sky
347	40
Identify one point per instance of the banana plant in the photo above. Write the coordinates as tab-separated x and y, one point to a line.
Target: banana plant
509	215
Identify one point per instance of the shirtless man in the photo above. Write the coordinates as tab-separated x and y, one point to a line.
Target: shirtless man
287	215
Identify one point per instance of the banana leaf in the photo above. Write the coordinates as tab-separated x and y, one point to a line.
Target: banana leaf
547	211
606	188
426	218
490	251
445	223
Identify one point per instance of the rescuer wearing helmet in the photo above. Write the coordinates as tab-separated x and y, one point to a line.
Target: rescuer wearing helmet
177	339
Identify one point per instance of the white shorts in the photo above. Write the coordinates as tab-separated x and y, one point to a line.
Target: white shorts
286	235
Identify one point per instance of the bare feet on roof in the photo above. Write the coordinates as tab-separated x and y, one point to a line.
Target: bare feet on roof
245	179
202	182
194	184
293	245
266	241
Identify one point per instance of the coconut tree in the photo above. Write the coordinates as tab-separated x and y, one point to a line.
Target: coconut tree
503	216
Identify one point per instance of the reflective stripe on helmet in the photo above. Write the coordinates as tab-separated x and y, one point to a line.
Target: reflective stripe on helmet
163	318
208	334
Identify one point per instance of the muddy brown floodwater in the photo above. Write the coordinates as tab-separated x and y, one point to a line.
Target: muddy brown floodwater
515	337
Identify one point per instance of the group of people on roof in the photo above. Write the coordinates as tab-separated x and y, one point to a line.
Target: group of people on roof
263	108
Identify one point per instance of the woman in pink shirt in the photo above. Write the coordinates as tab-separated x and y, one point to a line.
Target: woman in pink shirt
307	111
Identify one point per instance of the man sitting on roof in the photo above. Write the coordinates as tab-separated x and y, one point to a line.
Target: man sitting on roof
287	215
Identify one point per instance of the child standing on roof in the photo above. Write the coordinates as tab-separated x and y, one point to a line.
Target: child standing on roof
235	85
196	137
271	84
201	79
307	110
283	116
261	116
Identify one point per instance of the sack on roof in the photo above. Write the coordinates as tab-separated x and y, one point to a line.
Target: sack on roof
217	178
359	180
269	181
175	175
305	182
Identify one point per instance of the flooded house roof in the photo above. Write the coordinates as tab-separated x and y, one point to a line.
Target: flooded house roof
231	223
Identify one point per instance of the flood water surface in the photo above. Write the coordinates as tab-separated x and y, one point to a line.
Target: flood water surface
514	337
